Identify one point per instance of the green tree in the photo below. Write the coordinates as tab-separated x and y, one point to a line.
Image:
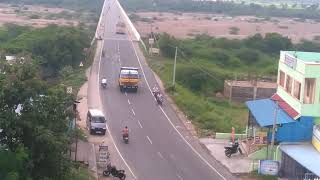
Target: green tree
40	126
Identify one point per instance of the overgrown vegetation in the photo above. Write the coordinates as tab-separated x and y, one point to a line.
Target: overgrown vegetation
205	62
35	113
224	7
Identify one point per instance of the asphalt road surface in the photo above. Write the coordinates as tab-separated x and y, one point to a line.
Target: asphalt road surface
159	148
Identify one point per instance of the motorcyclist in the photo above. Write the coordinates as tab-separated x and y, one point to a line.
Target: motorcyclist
104	81
155	91
125	132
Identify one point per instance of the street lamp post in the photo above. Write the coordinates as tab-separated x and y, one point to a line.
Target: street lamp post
75	128
174	68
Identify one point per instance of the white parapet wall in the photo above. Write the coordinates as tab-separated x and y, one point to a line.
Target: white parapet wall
98	29
128	22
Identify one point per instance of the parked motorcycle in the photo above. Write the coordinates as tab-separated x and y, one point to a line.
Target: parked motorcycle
112	170
232	150
125	138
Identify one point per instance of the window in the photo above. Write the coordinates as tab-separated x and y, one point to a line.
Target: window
309	87
289	84
297	89
96	119
282	77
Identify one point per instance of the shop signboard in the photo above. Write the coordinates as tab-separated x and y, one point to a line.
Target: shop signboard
290	61
103	155
268	167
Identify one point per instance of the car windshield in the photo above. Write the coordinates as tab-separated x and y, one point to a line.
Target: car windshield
98	120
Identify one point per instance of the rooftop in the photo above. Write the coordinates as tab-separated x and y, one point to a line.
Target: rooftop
263	111
260	84
305	154
307	57
96	112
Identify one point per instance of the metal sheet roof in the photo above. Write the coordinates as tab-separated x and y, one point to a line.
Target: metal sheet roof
305	154
263	111
286	107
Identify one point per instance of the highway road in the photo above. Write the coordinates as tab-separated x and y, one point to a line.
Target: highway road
160	148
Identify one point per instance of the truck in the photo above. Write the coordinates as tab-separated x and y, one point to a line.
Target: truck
129	78
120	28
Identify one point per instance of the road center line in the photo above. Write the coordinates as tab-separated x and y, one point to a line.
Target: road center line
179	177
133	112
129	102
139	124
149	140
159	153
169	120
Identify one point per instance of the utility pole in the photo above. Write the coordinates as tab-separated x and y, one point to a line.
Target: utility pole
274	128
174	68
75	128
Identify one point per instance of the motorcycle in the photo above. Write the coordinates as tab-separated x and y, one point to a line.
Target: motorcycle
232	150
112	170
104	83
125	138
159	99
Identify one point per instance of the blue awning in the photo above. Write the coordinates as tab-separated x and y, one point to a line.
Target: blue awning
263	111
305	154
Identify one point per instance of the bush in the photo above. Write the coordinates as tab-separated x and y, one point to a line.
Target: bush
34	16
248	56
234	30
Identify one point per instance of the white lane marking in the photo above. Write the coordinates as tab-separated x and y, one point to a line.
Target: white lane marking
179	177
139	124
159	153
149	140
113	142
126	93
133	112
195	151
129	102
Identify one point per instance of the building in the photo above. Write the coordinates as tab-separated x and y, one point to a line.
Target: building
295	109
242	91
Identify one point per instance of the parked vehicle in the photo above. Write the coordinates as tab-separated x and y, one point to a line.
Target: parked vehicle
112	170
96	122
232	149
129	78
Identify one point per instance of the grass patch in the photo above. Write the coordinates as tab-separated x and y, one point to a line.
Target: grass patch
80	172
208	114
